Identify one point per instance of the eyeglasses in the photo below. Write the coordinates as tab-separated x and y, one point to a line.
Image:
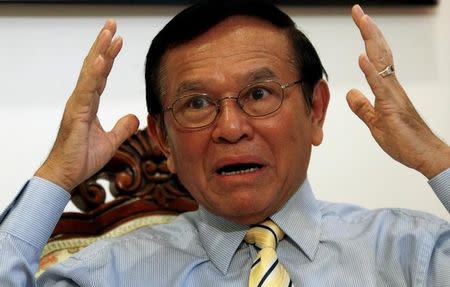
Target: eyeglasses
256	100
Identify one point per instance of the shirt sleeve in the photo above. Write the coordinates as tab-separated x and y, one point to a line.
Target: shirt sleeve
441	186
439	258
25	227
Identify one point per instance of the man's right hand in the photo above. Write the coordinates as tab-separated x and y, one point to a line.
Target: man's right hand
82	147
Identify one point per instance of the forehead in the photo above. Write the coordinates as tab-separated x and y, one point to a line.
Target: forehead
229	52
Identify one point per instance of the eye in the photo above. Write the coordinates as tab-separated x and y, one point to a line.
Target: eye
197	102
258	93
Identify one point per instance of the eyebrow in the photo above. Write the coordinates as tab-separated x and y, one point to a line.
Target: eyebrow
189	86
260	74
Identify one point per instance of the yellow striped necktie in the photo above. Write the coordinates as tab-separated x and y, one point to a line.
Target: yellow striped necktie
266	269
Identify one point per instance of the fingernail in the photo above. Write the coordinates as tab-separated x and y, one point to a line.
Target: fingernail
109	21
361	9
358	10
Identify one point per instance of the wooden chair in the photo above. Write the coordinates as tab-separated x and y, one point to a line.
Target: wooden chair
143	192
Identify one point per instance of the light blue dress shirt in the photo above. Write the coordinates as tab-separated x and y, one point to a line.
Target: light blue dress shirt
326	244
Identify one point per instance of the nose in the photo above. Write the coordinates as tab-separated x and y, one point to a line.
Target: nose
232	123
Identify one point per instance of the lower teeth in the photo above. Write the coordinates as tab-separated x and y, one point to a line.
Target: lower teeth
239	171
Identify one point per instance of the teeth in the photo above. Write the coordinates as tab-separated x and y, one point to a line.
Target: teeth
239	171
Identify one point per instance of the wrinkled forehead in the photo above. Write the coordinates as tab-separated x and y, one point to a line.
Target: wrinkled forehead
248	35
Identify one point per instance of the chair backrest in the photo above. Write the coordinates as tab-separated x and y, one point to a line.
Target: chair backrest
142	191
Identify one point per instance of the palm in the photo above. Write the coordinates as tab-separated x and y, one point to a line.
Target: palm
82	146
393	120
397	128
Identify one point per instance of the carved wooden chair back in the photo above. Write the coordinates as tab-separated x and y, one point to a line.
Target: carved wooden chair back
142	191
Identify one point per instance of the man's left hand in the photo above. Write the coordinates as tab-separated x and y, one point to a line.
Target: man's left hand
392	119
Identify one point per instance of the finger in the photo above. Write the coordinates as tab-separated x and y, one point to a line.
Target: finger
91	64
357	13
123	129
84	100
102	43
90	79
101	46
111	27
377	48
109	58
95	72
361	106
112	53
107	48
373	78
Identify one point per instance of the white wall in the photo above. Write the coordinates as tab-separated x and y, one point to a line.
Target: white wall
42	46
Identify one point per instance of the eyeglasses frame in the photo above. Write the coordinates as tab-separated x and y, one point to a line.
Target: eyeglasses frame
236	98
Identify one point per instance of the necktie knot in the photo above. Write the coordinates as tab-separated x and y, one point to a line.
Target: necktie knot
264	235
266	270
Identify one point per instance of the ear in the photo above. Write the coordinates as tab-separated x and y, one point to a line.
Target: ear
321	97
159	137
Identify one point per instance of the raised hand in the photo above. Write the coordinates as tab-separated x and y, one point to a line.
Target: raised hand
82	147
392	119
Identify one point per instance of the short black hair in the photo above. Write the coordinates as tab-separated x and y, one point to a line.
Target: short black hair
202	16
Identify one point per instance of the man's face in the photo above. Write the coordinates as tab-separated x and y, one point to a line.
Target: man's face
271	153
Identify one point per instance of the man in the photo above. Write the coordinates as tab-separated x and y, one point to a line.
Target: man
236	99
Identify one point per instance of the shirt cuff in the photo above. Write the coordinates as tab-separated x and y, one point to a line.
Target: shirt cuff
34	213
441	186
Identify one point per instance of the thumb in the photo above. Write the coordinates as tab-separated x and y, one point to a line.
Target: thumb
361	106
123	129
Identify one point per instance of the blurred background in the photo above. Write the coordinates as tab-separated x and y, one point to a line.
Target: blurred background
42	47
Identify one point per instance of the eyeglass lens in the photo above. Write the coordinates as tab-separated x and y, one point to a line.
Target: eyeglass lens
256	100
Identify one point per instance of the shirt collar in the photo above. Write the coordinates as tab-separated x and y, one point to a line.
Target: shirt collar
220	238
299	218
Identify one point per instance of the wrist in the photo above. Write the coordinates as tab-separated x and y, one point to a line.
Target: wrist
53	174
436	161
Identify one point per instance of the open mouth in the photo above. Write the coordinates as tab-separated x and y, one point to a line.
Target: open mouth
240	168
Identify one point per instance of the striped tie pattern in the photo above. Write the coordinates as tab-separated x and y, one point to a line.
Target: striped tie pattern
266	269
